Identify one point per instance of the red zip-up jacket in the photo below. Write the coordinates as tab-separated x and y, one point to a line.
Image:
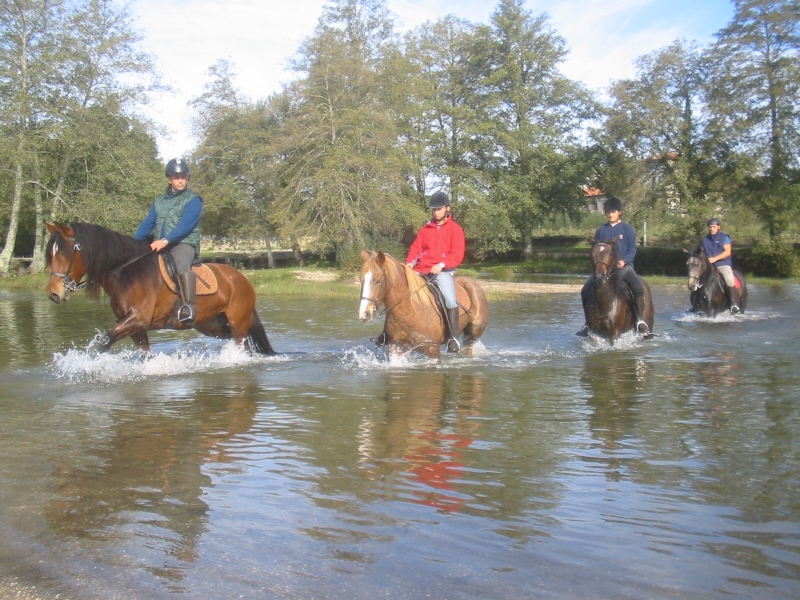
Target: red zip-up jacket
437	244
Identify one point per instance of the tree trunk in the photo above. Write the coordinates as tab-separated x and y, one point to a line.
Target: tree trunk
13	222
527	253
298	254
40	240
270	256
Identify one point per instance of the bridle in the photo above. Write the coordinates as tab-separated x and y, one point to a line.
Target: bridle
73	286
699	270
609	269
70	284
376	300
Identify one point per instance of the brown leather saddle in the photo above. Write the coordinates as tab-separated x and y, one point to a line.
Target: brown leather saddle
462	298
205	280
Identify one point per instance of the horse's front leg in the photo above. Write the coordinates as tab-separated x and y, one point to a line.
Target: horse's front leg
127	325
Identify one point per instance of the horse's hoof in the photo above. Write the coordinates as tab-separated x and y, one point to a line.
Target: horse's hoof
583	332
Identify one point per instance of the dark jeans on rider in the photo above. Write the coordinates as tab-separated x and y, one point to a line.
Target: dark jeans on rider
183	254
627	274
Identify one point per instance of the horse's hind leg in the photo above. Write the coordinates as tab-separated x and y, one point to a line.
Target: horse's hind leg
140	339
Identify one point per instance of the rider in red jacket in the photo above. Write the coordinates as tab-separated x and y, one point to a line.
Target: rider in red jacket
437	251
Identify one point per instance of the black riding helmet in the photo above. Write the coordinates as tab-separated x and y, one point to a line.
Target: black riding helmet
714	221
438	200
613	203
177	166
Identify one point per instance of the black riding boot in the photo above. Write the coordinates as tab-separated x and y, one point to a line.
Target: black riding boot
188	298
638	313
451	325
733	297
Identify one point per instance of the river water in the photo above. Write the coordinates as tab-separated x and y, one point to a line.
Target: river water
547	466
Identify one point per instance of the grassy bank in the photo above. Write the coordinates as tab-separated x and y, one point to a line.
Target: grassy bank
331	283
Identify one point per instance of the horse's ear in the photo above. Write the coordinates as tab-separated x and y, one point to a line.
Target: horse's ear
51	227
685	251
380	258
591	241
366	255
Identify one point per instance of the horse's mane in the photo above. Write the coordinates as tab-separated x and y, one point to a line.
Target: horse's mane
415	281
104	250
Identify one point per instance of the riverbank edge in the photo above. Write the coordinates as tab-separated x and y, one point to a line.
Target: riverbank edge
331	283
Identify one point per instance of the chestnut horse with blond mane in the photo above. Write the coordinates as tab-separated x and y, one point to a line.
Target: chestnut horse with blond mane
413	321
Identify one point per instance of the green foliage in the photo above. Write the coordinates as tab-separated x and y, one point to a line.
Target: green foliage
773	259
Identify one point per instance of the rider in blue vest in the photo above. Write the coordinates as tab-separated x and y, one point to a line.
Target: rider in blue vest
174	220
625	237
717	246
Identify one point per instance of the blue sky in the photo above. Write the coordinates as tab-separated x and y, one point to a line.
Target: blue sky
259	36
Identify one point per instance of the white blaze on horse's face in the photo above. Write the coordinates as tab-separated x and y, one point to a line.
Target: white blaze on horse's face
600	268
366	309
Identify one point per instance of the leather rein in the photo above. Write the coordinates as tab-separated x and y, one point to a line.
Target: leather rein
73	286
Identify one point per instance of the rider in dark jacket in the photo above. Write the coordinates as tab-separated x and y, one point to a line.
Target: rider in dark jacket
717	246
625	237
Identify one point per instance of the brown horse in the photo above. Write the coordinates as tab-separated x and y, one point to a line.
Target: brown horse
413	321
128	272
609	306
707	286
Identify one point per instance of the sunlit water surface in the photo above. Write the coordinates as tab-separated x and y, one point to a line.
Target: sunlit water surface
547	466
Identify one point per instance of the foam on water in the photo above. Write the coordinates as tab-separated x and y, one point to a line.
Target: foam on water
88	365
725	317
366	359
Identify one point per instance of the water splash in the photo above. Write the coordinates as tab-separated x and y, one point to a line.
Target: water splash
89	365
725	317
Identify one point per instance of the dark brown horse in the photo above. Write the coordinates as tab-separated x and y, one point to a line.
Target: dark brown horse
413	321
89	256
609	306
707	287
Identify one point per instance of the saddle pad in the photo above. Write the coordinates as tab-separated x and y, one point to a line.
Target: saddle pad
203	276
461	296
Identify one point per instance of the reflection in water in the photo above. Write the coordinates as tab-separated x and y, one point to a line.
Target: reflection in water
617	384
428	424
141	482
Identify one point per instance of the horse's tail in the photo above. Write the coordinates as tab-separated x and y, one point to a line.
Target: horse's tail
257	337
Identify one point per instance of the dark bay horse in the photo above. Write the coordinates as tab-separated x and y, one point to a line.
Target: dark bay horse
413	321
609	306
707	286
85	255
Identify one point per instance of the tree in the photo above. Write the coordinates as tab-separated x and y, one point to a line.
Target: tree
656	130
79	145
537	117
341	177
754	100
27	50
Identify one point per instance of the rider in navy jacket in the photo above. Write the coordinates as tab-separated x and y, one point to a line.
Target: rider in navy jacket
625	237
